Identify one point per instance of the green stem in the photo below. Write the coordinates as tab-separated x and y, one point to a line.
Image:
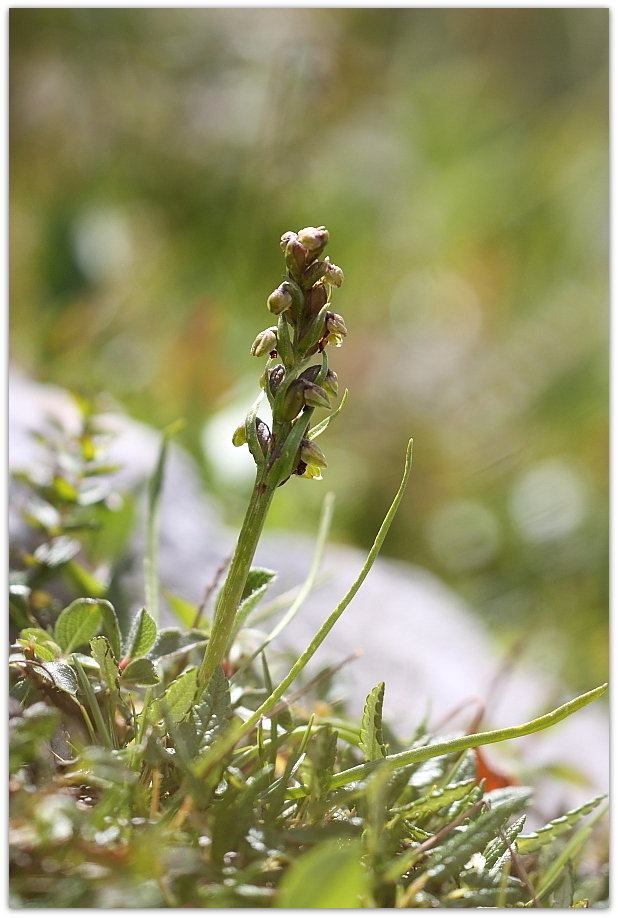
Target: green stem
228	740
232	590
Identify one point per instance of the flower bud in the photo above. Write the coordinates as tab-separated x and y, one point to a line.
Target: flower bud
333	274
286	238
314	273
265	342
279	300
311	372
331	383
315	239
311	454
239	437
295	258
293	401
315	396
335	324
316	298
263	434
275	377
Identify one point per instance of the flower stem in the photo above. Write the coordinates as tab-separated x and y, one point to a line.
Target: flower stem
232	590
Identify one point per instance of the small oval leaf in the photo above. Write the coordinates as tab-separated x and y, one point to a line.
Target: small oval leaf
77	623
141	672
143	635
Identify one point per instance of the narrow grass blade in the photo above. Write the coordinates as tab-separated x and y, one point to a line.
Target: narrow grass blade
151	578
423	753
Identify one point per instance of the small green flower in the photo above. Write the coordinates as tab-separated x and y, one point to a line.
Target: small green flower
279	300
335	324
315	396
265	343
311	454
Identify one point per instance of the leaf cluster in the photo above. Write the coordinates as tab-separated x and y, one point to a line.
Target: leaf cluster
129	788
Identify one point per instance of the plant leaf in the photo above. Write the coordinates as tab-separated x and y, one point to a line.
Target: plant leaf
210	717
177	698
111	628
184	611
78	623
526	844
141	672
449	858
328	876
62	676
257	577
104	656
321	427
434	801
171	642
143	635
371	736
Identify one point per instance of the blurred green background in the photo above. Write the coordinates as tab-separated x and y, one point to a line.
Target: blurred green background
459	158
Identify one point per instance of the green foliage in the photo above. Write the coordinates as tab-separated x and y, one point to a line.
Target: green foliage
371	737
142	636
331	875
526	844
130	786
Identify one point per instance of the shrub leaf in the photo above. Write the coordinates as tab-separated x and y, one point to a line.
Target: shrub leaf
371	737
141	672
143	635
78	623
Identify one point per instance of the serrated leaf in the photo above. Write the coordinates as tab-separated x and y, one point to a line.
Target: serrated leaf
177	698
450	857
141	672
496	850
78	623
371	736
210	717
143	635
102	653
526	844
330	875
434	801
171	642
322	752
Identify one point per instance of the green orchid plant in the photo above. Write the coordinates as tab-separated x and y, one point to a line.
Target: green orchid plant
296	381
